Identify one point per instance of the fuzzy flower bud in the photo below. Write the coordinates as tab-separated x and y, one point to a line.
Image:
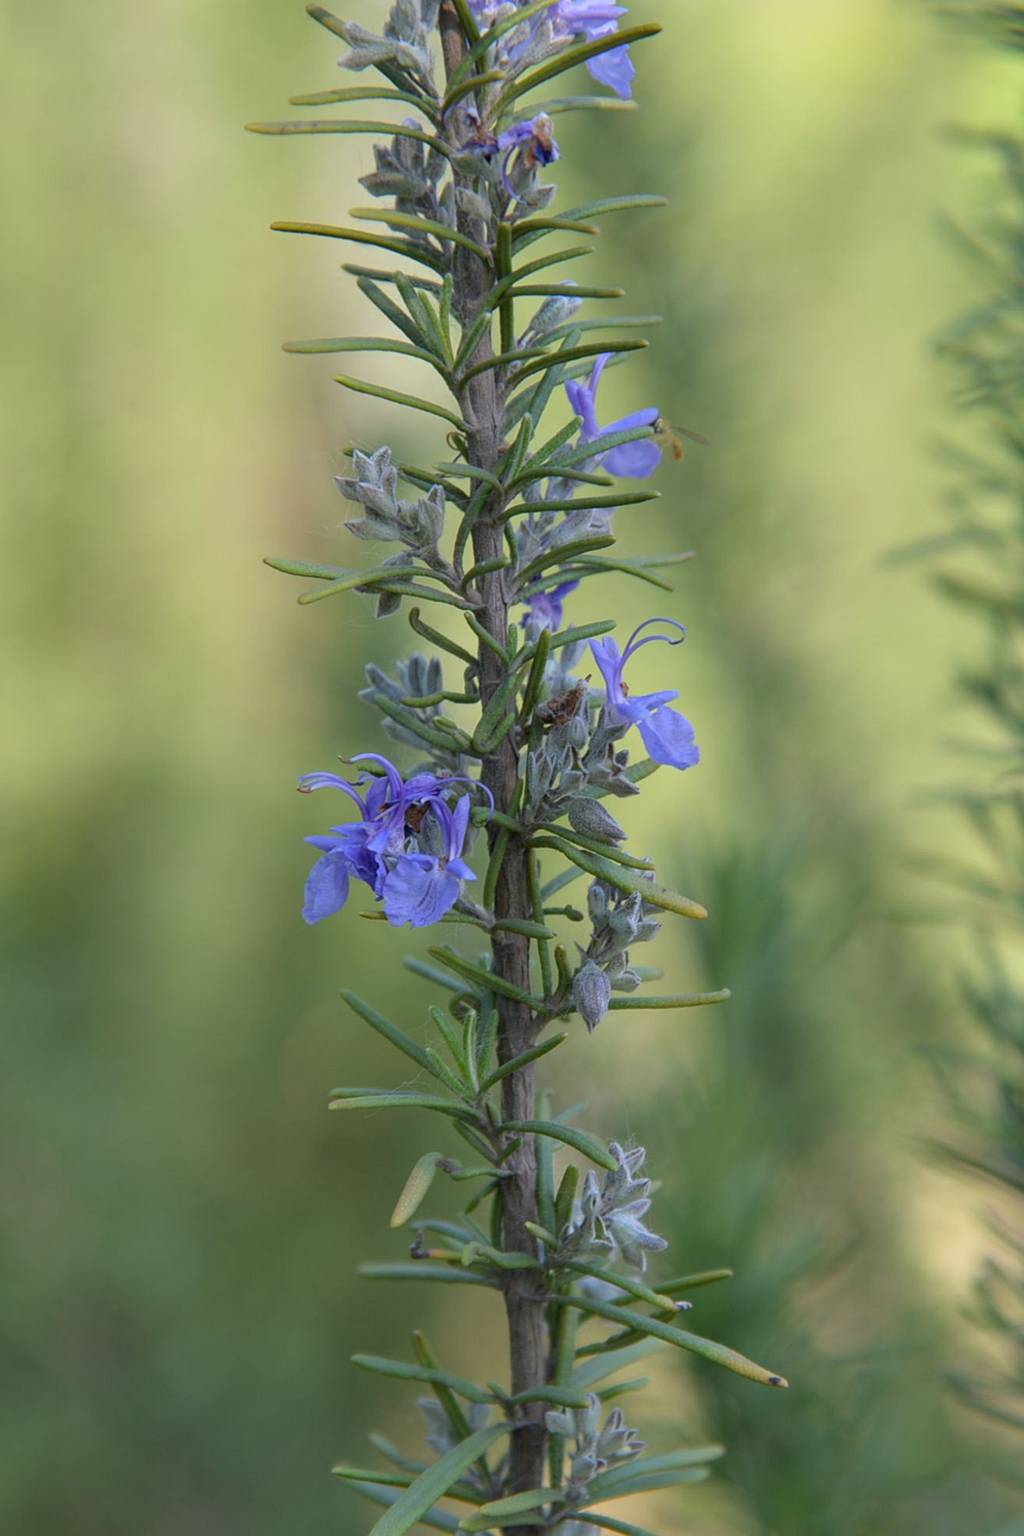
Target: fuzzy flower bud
591	994
590	818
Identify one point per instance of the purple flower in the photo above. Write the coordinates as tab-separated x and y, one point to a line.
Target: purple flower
668	736
535	138
530	145
633	461
545	610
586	19
406	846
593	19
422	887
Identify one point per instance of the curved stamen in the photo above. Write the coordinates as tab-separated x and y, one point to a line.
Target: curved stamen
394	778
311	781
633	644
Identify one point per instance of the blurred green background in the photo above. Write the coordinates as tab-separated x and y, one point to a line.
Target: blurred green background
182	1217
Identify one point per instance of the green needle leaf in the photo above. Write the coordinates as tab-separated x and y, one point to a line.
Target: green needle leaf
482	978
591	1372
498	1511
423	1270
518	1062
608	1524
303	125
692	1000
361	344
397	1098
708	1349
654	1472
580	1141
398	1038
437	1519
581	54
623	879
413	402
404	1370
407	248
435	1482
358	93
420	226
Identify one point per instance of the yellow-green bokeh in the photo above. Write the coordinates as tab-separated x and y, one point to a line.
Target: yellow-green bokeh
184	1217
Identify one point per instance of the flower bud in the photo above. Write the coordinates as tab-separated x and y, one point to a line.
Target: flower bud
590	818
597	903
591	993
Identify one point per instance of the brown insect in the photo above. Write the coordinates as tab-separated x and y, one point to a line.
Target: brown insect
670	437
414	817
561	709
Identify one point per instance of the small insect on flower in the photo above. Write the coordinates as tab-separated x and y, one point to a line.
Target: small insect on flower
407	845
670	437
560	710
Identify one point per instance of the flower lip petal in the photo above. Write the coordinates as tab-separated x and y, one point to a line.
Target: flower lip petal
670	739
419	891
326	888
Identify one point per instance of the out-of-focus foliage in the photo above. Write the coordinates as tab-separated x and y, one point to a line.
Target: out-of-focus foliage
980	567
797	1121
183	1215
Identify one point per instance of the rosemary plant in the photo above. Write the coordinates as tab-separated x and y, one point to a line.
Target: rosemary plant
521	752
982	570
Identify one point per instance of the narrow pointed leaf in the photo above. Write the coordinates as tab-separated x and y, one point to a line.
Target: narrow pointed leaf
624	880
360	344
556	104
600	1367
578	504
499	1511
578	354
562	553
435	636
357	93
394	312
407	1370
634	1000
581	54
434	1483
580	1141
565	291
413	402
708	1349
564	1397
478	975
371	1475
312	125
437	1519
684	1283
424	1270
405	248
518	1062
602	444
635	1288
607	1523
420	226
378	275
397	1098
592	845
391	1032
307	568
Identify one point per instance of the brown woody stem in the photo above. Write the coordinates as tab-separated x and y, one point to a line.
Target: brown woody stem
482	405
